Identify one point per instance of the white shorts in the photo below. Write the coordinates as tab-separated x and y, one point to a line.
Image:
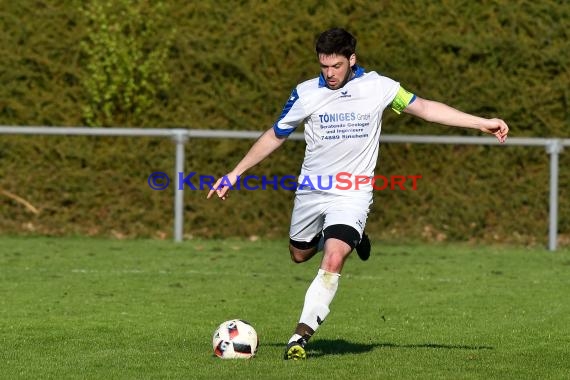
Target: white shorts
314	211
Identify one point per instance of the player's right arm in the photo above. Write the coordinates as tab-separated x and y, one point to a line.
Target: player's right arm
267	143
291	116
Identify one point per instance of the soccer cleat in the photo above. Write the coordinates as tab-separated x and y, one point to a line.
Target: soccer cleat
296	350
363	248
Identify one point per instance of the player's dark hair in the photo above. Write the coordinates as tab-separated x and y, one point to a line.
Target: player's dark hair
336	41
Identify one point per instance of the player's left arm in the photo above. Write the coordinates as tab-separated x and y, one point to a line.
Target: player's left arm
437	112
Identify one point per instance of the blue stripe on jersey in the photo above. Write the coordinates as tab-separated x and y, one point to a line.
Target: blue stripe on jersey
286	132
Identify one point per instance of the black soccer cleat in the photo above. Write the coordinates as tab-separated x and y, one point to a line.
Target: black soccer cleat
296	350
363	248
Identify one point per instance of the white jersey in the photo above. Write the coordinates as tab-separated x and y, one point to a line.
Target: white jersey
342	130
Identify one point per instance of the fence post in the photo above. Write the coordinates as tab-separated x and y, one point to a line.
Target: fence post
180	138
553	148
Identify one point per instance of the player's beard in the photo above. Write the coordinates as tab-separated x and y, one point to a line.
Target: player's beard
347	77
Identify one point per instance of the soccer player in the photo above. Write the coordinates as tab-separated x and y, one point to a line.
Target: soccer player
342	113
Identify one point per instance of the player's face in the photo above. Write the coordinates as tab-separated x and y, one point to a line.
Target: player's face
336	69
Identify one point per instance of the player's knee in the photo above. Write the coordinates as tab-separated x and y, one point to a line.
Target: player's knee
335	262
296	257
302	251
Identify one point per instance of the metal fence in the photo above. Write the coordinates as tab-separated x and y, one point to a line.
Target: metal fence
553	146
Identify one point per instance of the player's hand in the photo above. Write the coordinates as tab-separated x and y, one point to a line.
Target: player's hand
498	128
222	186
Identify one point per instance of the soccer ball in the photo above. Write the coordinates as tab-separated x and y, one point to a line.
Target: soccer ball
235	339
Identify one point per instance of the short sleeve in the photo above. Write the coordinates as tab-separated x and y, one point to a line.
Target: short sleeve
291	116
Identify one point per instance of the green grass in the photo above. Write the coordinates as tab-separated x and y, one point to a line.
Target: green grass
101	309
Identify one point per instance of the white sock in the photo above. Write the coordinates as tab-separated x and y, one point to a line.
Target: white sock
317	300
294	338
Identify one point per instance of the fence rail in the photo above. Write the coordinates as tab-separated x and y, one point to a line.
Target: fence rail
553	146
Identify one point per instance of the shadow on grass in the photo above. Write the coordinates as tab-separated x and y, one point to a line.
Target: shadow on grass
324	347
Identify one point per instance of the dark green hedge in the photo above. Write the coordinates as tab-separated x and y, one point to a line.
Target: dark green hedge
231	65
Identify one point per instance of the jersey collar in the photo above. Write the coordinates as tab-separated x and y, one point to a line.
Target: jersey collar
358	72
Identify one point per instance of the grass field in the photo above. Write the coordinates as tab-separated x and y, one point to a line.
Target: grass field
102	309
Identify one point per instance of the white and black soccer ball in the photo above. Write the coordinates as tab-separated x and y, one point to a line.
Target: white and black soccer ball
235	339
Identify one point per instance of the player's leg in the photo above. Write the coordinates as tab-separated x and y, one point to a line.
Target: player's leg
322	290
339	241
